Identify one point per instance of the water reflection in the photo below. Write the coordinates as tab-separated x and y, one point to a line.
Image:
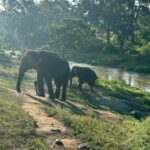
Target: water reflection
130	78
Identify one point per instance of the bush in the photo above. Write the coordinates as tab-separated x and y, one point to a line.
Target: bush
144	50
5	60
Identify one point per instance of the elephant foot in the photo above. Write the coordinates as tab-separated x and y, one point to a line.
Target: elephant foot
41	95
63	99
57	96
18	90
80	89
51	97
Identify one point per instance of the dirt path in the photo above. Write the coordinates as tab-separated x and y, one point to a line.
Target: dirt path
52	129
48	127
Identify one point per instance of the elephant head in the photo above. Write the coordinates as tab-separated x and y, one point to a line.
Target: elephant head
30	60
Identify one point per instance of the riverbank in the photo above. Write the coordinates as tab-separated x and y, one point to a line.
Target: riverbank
125	62
141	81
102	118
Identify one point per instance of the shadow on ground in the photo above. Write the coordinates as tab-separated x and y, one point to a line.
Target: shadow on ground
54	103
101	99
105	99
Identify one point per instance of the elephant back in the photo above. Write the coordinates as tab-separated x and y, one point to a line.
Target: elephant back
54	64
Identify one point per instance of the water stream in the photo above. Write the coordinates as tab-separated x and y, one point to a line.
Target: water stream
141	81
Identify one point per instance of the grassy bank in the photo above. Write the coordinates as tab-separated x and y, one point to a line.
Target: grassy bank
102	118
105	121
126	62
17	128
102	134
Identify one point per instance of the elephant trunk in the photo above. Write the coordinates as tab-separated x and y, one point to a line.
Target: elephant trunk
22	71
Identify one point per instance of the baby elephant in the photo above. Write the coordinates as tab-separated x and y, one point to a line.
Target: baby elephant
84	74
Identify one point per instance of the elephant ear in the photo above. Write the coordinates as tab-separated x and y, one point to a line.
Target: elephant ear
39	62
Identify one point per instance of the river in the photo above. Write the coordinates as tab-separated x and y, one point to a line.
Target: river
141	81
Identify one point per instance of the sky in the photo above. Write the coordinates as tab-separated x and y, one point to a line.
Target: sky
37	1
2	8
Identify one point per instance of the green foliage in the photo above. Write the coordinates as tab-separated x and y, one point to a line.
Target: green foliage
132	94
104	26
117	17
144	50
71	35
26	22
137	63
101	118
101	134
5	59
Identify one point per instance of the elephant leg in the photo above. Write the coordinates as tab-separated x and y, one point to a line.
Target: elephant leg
50	87
80	84
71	78
63	97
36	88
91	86
40	85
64	84
57	92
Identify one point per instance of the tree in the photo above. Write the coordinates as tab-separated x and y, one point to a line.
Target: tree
54	11
30	20
20	16
124	20
99	13
71	35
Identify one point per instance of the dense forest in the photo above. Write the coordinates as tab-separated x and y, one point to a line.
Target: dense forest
102	32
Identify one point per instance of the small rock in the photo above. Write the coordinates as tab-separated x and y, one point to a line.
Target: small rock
36	124
55	130
136	114
58	142
84	147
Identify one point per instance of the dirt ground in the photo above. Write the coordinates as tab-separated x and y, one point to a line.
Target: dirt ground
48	127
53	130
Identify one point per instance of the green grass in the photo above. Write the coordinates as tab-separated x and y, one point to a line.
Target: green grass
125	61
114	96
12	73
125	133
102	133
132	95
17	128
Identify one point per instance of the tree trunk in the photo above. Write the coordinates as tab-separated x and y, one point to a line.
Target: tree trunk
121	43
108	37
121	38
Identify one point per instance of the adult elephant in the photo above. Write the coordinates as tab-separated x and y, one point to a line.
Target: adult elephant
49	66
